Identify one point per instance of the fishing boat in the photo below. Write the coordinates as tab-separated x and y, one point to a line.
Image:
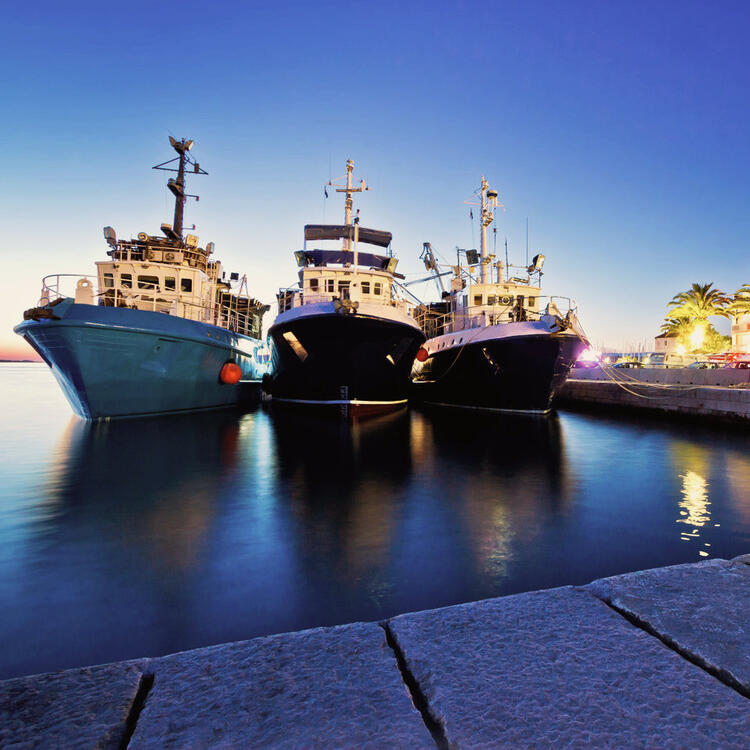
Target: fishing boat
494	341
159	329
345	337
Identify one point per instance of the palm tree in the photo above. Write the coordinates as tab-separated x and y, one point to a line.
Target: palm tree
740	305
699	304
676	325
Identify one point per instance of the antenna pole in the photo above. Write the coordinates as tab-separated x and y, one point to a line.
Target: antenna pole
179	195
483	239
349	202
506	255
177	186
527	242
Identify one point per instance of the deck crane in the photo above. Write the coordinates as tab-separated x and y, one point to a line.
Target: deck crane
430	263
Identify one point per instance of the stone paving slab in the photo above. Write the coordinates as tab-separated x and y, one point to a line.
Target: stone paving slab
328	687
78	708
559	668
701	609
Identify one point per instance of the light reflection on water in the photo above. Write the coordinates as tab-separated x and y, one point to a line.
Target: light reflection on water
692	463
143	537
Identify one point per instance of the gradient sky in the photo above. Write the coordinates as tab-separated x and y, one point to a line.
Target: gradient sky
618	128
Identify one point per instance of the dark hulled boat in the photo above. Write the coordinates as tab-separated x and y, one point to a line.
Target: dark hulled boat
344	337
494	342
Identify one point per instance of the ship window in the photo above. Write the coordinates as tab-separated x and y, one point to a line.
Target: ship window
491	299
532	300
329	285
378	288
365	287
343	286
148	282
109	280
186	285
169	283
126	280
313	285
477	299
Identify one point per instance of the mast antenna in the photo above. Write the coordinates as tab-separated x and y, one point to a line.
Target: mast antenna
177	186
349	202
527	240
488	202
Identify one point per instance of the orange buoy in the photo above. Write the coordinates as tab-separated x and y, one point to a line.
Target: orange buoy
422	354
230	373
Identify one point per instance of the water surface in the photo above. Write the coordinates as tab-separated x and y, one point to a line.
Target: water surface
144	537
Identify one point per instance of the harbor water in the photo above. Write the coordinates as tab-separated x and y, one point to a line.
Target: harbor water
143	537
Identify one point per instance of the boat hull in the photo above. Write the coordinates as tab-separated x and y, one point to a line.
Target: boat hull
517	373
346	362
117	362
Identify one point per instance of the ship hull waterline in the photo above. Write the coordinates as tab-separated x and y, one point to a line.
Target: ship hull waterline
346	364
514	374
117	362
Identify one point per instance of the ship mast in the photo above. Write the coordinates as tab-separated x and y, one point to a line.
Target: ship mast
177	186
349	202
489	203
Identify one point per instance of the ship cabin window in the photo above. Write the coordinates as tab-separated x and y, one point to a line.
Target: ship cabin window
148	282
491	299
169	283
313	285
365	287
126	281
532	301
109	280
186	285
344	287
477	299
377	288
329	285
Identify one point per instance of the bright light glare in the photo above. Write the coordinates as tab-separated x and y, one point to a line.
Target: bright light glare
697	336
589	355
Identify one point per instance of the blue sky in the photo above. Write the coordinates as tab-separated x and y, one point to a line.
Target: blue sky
618	129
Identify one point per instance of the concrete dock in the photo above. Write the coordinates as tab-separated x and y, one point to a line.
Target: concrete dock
657	658
712	395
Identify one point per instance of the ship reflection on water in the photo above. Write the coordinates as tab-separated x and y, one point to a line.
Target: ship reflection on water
143	537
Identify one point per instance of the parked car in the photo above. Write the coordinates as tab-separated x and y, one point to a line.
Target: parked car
586	363
628	364
703	365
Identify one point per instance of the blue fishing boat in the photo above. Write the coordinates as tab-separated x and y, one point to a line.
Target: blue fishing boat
159	329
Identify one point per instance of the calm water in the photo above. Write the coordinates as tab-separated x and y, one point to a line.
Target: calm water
143	537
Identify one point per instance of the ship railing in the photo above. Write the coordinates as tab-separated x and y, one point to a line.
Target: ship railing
478	316
168	301
61	285
293	297
151	297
